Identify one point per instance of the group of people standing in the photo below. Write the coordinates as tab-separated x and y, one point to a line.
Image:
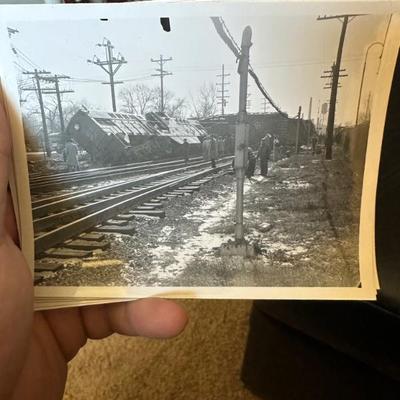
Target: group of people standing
212	149
263	154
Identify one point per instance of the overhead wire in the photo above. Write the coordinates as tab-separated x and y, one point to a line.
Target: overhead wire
228	38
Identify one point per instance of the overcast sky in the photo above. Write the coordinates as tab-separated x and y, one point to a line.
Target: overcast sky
288	54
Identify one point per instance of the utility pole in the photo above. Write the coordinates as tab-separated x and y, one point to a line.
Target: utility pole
241	137
298	130
248	101
329	74
56	81
264	105
110	65
223	90
344	19
310	104
161	61
36	76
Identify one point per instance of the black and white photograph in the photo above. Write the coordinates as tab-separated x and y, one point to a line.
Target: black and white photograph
198	151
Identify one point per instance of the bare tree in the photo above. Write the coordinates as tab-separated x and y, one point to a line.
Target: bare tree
138	99
175	107
205	103
52	114
70	108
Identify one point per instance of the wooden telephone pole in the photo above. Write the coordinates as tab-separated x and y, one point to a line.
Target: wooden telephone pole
36	76
55	79
242	129
222	97
161	73
345	20
110	65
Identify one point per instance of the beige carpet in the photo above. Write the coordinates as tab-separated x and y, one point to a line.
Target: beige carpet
203	363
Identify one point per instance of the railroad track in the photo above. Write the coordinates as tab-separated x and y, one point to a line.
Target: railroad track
74	226
45	183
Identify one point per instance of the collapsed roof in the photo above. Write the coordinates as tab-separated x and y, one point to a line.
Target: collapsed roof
123	125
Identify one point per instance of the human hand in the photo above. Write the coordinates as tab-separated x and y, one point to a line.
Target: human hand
36	347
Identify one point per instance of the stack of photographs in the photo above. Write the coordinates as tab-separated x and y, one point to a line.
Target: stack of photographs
198	149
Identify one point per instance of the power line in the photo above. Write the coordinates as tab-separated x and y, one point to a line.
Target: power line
162	73
19	53
227	37
108	65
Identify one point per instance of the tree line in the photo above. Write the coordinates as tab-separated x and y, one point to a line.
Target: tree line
132	98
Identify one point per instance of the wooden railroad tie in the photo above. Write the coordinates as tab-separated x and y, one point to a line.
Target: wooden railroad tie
79	244
150	213
126	230
116	222
154	204
97	237
47	266
67	253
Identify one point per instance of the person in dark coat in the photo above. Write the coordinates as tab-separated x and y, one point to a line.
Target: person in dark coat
185	150
264	153
213	152
314	141
251	164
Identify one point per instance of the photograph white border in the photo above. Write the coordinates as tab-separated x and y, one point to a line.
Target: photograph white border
368	275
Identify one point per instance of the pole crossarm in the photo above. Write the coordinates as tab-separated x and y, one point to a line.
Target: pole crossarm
44	76
108	66
340	16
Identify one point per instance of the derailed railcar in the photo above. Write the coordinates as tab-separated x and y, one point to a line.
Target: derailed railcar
119	138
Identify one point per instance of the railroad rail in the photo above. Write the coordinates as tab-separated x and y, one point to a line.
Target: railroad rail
47	183
62	217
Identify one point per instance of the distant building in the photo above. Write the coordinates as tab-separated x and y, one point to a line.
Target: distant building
281	126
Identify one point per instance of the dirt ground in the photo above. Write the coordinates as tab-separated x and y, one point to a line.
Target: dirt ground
302	219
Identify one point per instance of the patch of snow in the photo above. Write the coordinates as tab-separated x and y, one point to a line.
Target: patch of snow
209	213
292	185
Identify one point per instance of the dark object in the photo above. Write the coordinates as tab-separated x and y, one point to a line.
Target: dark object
185	151
251	164
322	351
264	153
314	141
165	23
316	350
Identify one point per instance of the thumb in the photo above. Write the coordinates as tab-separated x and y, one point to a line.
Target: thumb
15	284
